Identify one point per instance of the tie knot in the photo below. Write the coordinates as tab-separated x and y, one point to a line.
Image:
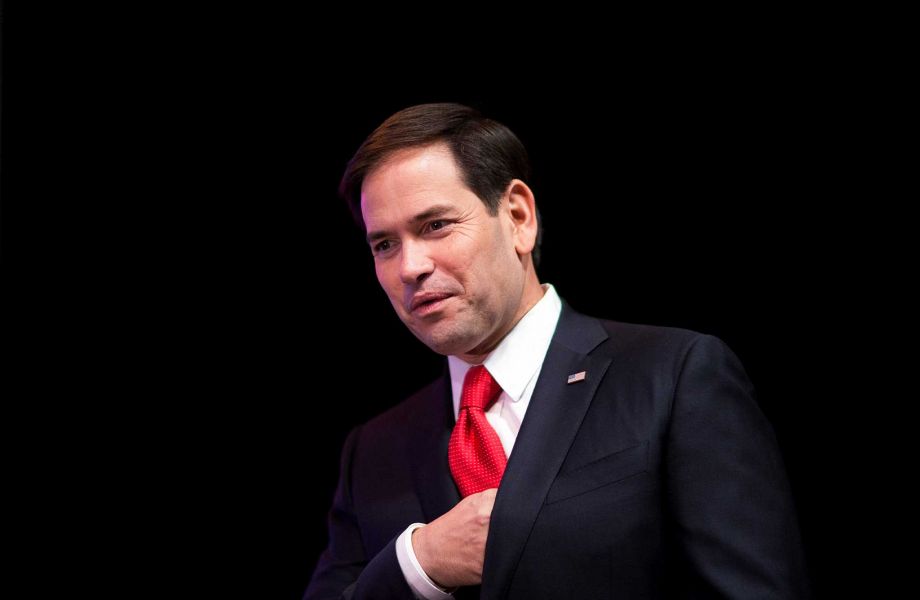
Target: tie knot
480	390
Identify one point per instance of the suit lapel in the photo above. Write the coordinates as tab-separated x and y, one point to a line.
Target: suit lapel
553	418
436	490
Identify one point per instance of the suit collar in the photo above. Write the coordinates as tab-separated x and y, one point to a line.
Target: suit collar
434	485
580	333
553	418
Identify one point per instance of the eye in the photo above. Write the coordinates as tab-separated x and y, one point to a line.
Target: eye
382	246
436	225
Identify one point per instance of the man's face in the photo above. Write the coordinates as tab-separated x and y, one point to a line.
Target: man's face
450	269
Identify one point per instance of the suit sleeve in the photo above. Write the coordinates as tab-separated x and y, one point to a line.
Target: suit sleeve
344	571
727	489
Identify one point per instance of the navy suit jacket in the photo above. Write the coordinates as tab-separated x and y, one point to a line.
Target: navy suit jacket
657	476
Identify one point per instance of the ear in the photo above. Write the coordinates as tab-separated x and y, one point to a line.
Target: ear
522	210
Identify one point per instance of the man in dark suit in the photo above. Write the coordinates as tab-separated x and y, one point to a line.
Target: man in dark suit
559	456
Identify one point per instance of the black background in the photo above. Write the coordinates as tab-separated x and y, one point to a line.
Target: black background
213	304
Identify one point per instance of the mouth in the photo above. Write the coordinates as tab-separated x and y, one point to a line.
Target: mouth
427	303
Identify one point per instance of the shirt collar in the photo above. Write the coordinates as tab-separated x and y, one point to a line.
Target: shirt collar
518	357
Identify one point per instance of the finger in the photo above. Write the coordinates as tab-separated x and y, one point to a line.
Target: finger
488	498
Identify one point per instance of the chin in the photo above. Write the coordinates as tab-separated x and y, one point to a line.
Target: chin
446	343
444	347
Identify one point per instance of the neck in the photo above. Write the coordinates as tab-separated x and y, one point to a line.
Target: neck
532	294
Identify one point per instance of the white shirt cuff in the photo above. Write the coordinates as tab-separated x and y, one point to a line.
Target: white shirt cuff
421	584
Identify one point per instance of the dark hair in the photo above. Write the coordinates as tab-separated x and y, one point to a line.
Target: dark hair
487	153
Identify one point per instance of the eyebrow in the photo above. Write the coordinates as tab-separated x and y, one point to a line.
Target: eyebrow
438	210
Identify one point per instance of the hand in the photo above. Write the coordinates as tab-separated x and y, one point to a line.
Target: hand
452	548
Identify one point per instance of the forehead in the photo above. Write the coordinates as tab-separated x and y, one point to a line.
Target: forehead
412	179
412	169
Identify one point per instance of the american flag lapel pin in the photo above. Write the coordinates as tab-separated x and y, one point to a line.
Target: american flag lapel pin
574	377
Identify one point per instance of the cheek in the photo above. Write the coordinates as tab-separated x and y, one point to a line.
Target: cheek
385	277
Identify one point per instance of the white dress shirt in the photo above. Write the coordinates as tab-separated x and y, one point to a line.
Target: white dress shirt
515	364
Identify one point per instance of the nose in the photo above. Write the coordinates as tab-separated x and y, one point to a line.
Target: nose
415	263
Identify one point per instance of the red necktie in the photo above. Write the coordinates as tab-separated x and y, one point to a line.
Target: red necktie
477	459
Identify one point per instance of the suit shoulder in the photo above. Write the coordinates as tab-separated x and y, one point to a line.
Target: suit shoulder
618	339
661	347
397	419
637	335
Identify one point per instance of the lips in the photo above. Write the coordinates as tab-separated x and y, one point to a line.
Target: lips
423	298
